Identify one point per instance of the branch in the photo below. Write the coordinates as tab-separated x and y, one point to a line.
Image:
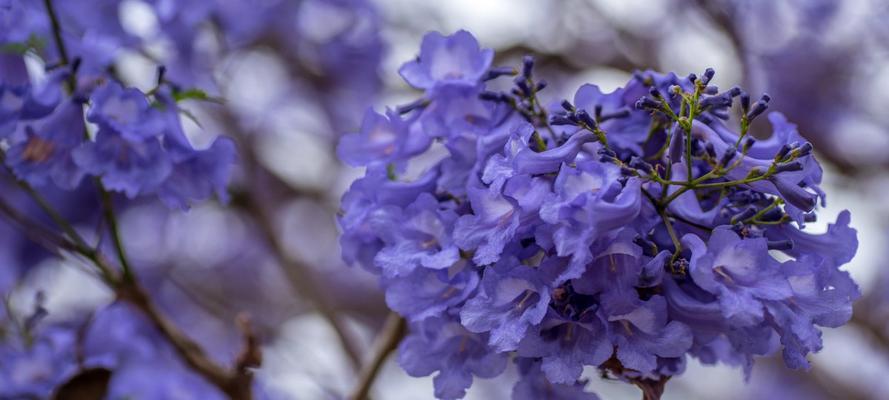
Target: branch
237	383
392	333
230	382
300	276
651	389
862	319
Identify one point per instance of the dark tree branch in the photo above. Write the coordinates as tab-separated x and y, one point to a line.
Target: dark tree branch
300	276
387	341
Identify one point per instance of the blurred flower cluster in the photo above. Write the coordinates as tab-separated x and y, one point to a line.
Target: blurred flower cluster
101	158
623	230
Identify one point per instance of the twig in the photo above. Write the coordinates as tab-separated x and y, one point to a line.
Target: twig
56	31
111	218
393	330
301	278
862	319
235	384
299	275
651	389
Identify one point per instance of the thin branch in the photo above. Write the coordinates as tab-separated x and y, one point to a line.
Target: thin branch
235	384
45	206
862	320
33	230
300	276
192	353
130	291
56	31
393	331
111	218
651	389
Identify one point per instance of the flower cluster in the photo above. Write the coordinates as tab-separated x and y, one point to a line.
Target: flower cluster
139	147
624	230
77	136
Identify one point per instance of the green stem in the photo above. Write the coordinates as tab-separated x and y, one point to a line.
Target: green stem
47	208
692	113
672	232
108	206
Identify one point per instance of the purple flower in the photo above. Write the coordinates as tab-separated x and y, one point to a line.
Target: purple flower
535	385
35	370
428	293
822	295
125	112
195	174
198	174
24	102
565	345
800	188
382	139
739	272
424	240
588	202
44	153
121	339
508	303
133	168
645	334
606	236
373	201
838	245
518	157
616	272
494	222
441	344
454	61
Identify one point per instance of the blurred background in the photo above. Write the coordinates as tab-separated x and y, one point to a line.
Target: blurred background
295	75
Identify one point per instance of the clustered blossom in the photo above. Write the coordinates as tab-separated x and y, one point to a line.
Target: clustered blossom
77	124
626	230
139	148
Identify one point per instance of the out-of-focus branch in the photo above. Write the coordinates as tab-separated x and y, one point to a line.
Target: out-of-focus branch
190	351
724	19
563	62
33	230
234	383
392	333
300	276
862	318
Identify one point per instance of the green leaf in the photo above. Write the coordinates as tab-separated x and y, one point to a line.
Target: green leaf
34	42
195	94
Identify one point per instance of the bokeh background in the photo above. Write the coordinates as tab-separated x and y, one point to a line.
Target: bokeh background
300	75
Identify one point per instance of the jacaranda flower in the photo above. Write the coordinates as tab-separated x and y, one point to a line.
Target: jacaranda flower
625	231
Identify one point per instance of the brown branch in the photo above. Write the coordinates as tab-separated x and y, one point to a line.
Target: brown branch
190	351
862	319
300	276
652	389
393	331
235	383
